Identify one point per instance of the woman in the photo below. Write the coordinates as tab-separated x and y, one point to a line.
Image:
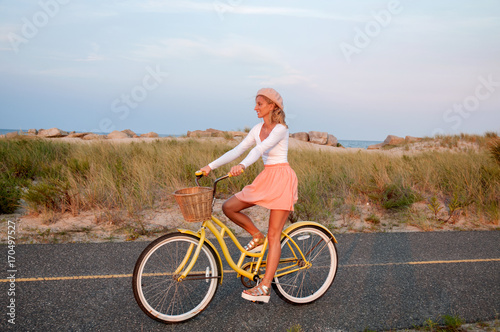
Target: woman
274	188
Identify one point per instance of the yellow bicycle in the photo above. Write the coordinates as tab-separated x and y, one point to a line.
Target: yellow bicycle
177	275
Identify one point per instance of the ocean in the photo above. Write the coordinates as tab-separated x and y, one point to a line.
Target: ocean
345	143
357	144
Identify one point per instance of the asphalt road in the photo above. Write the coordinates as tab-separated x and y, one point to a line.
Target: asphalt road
384	281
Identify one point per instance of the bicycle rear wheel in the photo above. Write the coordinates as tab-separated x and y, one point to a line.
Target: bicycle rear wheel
308	284
155	285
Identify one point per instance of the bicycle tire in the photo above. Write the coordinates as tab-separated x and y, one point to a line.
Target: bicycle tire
307	285
156	289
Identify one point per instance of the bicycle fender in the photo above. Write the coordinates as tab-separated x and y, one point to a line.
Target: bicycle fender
187	231
307	223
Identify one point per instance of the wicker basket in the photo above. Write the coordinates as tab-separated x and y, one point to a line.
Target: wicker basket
195	203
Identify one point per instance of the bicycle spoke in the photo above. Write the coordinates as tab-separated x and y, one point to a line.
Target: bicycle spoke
319	252
157	290
313	248
312	277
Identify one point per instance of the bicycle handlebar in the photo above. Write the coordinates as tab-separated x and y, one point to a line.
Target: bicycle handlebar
200	174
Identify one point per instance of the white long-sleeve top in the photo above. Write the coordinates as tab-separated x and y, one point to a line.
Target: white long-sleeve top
274	149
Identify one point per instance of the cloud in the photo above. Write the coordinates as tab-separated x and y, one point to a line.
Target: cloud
285	79
235	7
92	57
285	74
233	49
67	72
453	24
291	12
170	6
182	48
6	30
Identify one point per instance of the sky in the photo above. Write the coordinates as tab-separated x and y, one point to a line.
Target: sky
359	70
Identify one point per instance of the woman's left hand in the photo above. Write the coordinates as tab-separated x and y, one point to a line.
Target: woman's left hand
237	170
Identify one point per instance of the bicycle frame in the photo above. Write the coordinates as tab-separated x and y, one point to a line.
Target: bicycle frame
249	270
241	270
219	235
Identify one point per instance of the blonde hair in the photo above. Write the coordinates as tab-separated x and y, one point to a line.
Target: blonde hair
277	115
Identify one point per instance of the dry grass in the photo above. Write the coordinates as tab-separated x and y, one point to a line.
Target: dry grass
423	189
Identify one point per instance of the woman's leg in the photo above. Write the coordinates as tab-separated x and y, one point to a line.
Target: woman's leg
232	209
277	221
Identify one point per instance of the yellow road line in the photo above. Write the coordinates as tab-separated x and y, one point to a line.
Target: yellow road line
427	262
105	276
109	276
458	261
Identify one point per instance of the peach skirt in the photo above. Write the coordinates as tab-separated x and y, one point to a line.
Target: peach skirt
274	188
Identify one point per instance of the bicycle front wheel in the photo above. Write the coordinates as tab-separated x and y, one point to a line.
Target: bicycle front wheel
316	273
155	281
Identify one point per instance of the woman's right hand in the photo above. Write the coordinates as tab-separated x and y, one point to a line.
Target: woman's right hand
237	170
206	170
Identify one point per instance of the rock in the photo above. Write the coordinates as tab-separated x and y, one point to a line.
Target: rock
129	132
118	135
411	139
93	136
199	133
393	140
32	132
77	135
13	134
236	133
215	132
375	146
150	134
390	140
332	140
302	136
318	137
52	133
